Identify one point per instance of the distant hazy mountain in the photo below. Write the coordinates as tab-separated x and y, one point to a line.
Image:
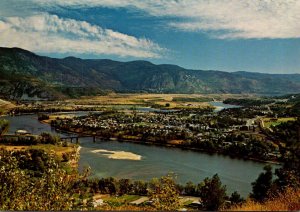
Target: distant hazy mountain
24	74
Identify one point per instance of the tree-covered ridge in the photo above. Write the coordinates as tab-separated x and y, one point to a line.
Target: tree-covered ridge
23	72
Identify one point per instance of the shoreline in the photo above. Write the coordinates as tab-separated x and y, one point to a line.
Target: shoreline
173	146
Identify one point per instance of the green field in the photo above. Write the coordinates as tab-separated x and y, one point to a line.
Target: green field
121	200
274	122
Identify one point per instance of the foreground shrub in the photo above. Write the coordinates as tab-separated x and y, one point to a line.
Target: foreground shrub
286	201
19	190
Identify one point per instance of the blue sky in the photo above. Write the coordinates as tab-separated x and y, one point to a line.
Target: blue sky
227	35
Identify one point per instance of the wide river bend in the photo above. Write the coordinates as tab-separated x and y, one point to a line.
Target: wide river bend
143	162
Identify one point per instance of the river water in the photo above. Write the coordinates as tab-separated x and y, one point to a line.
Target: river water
220	105
152	161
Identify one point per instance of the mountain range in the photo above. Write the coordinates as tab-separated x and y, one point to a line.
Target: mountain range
24	74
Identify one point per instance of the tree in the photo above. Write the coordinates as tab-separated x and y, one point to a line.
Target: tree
107	185
4	126
289	174
286	178
236	198
139	188
47	138
190	188
262	184
164	194
125	186
53	190
212	193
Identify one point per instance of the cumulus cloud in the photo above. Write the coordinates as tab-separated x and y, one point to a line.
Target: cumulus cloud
52	34
223	19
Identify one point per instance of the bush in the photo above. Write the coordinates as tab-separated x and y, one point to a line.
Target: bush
164	194
4	125
42	116
53	190
47	138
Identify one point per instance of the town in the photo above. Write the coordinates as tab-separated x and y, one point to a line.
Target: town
243	132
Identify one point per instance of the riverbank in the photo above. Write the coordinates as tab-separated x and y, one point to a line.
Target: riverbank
172	145
54	117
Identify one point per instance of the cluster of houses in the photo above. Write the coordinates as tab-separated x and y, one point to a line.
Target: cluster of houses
155	124
190	130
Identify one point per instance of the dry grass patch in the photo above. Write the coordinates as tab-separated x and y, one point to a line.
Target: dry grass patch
288	201
176	142
60	116
59	150
5	105
144	99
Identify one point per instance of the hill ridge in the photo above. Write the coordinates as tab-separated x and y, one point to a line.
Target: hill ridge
47	77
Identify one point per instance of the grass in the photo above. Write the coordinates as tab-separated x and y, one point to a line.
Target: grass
54	117
5	106
288	201
274	122
122	203
175	100
189	99
121	200
125	208
187	203
59	150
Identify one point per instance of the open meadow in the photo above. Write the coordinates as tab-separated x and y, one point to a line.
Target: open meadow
154	100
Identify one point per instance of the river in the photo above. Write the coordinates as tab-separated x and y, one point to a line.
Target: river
220	105
137	161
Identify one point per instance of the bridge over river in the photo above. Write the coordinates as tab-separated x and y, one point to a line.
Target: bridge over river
76	138
29	136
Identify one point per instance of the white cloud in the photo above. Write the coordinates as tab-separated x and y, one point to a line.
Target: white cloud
52	34
24	26
224	19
